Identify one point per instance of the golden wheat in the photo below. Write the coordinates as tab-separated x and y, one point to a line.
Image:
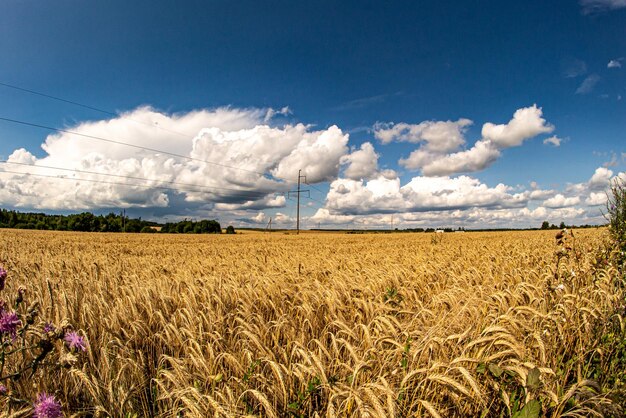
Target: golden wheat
318	324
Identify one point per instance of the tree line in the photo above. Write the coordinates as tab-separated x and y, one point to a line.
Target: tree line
88	222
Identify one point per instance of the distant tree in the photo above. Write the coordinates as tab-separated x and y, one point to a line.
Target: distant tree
545	225
562	225
230	229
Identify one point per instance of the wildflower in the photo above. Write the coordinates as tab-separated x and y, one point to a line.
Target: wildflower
3	277
47	406
48	328
75	341
560	287
9	321
3	389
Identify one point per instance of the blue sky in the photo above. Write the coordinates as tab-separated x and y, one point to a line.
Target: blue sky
363	67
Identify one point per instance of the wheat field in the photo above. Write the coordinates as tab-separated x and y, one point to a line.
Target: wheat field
322	324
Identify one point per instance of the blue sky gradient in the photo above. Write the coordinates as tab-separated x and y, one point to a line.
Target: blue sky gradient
350	64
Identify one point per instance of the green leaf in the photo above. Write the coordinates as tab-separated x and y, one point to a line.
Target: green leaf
481	368
495	370
531	410
532	380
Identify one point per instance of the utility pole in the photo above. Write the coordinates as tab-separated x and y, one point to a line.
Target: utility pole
392	221
297	192
268	227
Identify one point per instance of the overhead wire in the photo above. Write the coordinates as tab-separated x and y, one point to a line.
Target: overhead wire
113	141
254	193
198	189
118	142
107	112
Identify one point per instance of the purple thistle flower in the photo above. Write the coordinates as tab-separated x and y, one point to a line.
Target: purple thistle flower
47	406
3	277
3	389
75	342
9	321
48	328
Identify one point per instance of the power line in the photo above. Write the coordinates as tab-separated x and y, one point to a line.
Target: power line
256	194
57	98
144	186
113	141
98	181
106	112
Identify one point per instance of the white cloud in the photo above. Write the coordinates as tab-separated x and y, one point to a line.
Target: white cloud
468	218
317	153
437	136
596	199
362	163
600	179
477	158
588	84
381	195
560	201
323	216
526	123
439	161
539	194
458	201
259	218
282	219
215	140
616	63
553	140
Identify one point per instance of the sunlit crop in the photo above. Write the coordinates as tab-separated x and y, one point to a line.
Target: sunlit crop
276	325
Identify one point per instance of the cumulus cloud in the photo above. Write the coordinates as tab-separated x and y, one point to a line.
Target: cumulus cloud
526	123
362	163
596	199
459	201
588	84
467	218
323	216
382	195
600	179
560	201
441	154
477	158
235	160
553	140
437	136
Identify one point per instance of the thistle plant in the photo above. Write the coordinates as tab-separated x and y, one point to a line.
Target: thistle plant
28	347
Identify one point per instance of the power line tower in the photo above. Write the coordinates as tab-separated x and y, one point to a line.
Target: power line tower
268	227
297	193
